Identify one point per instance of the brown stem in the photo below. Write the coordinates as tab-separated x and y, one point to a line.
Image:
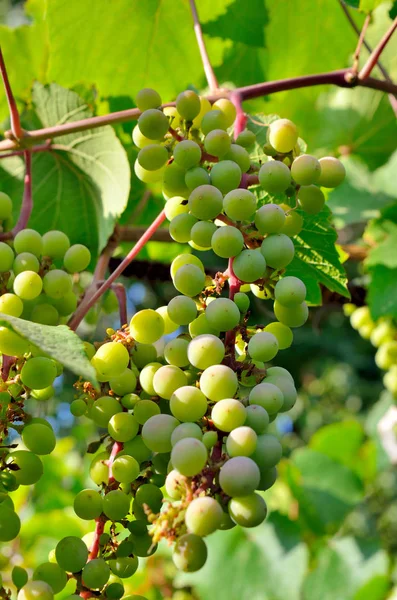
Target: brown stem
41	148
208	70
121	296
16	128
360	42
234	287
7	362
241	119
27	201
375	54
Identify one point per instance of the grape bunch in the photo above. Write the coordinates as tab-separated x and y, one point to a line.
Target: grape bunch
186	448
383	336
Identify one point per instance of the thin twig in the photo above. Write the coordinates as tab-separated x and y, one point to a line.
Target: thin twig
209	72
121	296
85	305
360	42
40	148
375	54
134	233
27	201
16	128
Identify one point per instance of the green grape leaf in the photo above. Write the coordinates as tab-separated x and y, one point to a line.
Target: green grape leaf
59	342
340	441
316	258
382	292
82	184
385	252
353	3
261	557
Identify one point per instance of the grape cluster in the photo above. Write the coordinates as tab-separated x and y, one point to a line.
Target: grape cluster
383	335
187	450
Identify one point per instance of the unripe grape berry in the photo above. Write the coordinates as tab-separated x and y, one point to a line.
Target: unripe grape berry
95	573
55	244
156	432
153	124
239	155
282	333
147	98
268	396
241	441
147	326
188	104
278	250
11	305
248	511
71	554
116	505
274	176
311	199
28	285
269	218
36	590
190	553
205	202
175	206
223	314
227	108
203	516
188	403
187	154
38	438
333	172
123	427
290	291
305	169
227	241
213	120
225	175
202	232
25	262
189	280
263	346
5	206
205	350
195	177
52	574
38	372
293	221
148	176
239	476
6	257
186	430
12	344
246	138
189	456
218	382
10	523
249	265
239	204
28	240
294	316
77	258
103	410
88	504
283	135
217	142
19	576
227	414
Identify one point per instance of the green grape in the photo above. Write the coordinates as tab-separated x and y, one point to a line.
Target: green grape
263	346
30	466
205	106
213	120
268	452
190	553
174	181
294	316
11	305
57	283
169	325
274	176
99	471
227	241
78	407
157	431
241	441
152	157
114	590
150	495
239	476
278	250
311	199
177	205
125	469
147	98
182	260
5	208
248	511
36	590
386	355
10	523
116	505
176	352
200	326
225	175
168	379
218	382
189	280
239	204
187	154
188	403
112	358
124	567
246	138
223	314
332	172
205	202
52	574
129	400
290	291
242	301
148	176
209	439
28	240
95	573
38	438
38	373
202	232
124	383
228	414
181	226
249	265
360	317
65	305
203	516
205	350
282	333
186	430
173	116
174	484
144	409
196	177
143	354
188	105
227	108
280	373
257	418
55	244
189	456
217	142
6	258
71	554
267	395
153	124
123	427
103	409
268	479
239	155
76	259
8	481
305	169
6	502
283	135
139	139
46	314
384	332
25	262
269	218
19	577
88	504
146	377
293	221
28	285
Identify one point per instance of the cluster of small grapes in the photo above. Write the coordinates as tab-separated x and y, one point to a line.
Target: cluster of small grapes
383	335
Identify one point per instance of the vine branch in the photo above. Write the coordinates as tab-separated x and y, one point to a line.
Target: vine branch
208	70
375	54
16	128
360	42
